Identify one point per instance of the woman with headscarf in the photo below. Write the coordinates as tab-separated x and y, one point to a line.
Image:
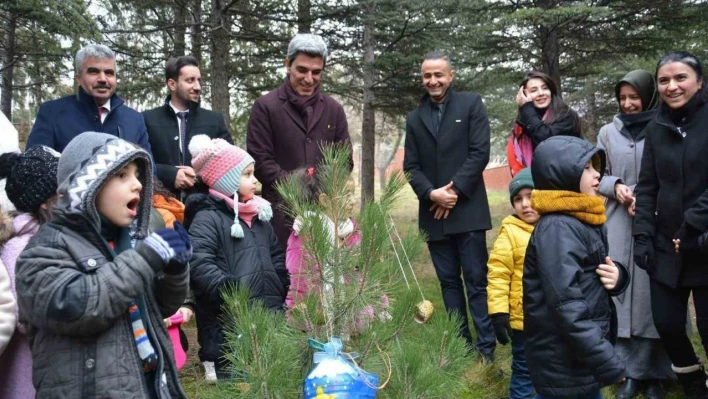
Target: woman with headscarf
638	341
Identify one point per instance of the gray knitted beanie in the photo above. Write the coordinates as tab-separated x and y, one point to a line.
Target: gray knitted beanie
87	162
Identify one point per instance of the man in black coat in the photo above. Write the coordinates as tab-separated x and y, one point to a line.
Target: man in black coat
171	126
447	149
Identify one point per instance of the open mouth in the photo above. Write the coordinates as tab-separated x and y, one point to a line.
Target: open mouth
133	206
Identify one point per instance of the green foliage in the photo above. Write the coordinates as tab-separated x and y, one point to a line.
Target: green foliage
270	353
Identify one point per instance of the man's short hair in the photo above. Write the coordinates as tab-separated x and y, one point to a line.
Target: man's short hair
307	43
97	51
175	64
439	55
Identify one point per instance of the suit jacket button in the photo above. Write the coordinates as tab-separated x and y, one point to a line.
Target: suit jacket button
308	140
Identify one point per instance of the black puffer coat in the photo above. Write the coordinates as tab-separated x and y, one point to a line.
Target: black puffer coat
255	261
569	318
673	188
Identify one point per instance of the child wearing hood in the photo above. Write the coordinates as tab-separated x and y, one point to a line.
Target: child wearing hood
570	321
234	244
93	287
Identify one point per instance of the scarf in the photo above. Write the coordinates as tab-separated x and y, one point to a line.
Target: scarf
590	210
120	239
635	123
246	211
304	105
520	146
344	228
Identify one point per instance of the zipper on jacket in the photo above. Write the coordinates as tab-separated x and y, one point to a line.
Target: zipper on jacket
682	133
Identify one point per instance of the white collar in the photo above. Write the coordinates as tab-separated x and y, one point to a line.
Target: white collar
107	105
175	108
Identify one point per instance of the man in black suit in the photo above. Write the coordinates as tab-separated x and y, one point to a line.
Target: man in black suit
171	126
447	149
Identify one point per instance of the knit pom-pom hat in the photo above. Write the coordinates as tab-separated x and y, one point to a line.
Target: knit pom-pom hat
220	165
31	177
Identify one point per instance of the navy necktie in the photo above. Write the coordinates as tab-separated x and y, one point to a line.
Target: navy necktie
183	135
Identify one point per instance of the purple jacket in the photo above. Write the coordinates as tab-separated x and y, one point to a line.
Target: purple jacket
16	360
279	142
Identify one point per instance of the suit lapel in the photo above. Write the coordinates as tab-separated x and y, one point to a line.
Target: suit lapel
318	111
426	117
294	115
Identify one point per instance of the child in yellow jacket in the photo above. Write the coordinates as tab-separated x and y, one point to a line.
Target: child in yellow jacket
505	272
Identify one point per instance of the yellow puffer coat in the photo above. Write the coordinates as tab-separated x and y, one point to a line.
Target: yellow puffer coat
506	269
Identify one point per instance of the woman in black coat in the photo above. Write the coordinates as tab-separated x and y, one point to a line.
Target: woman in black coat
542	114
672	212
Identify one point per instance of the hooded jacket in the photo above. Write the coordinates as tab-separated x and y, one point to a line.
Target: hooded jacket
74	294
506	269
569	317
256	262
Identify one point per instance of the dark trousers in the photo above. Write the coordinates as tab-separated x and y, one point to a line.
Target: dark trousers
594	395
669	307
520	386
463	257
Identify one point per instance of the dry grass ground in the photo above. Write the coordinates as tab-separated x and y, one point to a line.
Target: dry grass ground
483	380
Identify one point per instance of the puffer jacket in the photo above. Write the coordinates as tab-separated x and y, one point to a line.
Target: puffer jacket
74	294
255	261
570	319
506	269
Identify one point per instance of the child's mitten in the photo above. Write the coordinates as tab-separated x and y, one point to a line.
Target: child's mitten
171	244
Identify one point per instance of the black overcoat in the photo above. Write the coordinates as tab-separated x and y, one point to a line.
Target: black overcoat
458	153
163	133
673	188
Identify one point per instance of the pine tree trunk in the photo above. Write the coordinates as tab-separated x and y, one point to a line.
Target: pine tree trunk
550	46
8	58
220	50
304	17
368	124
180	11
591	117
196	33
550	55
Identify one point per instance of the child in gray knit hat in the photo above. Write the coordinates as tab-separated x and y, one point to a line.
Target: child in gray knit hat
93	287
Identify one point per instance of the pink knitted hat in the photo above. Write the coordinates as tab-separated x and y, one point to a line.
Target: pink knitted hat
218	163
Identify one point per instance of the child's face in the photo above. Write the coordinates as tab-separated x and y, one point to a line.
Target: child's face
589	181
522	206
119	197
247	188
347	198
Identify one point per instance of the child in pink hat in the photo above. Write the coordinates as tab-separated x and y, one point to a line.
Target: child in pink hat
233	242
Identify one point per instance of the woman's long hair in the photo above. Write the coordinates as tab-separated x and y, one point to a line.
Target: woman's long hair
557	106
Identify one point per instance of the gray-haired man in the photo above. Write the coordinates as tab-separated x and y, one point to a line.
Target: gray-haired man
289	124
95	107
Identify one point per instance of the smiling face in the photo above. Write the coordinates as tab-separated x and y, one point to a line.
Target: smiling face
539	93
305	73
677	84
589	181
247	187
188	86
119	197
629	99
437	76
522	206
98	78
